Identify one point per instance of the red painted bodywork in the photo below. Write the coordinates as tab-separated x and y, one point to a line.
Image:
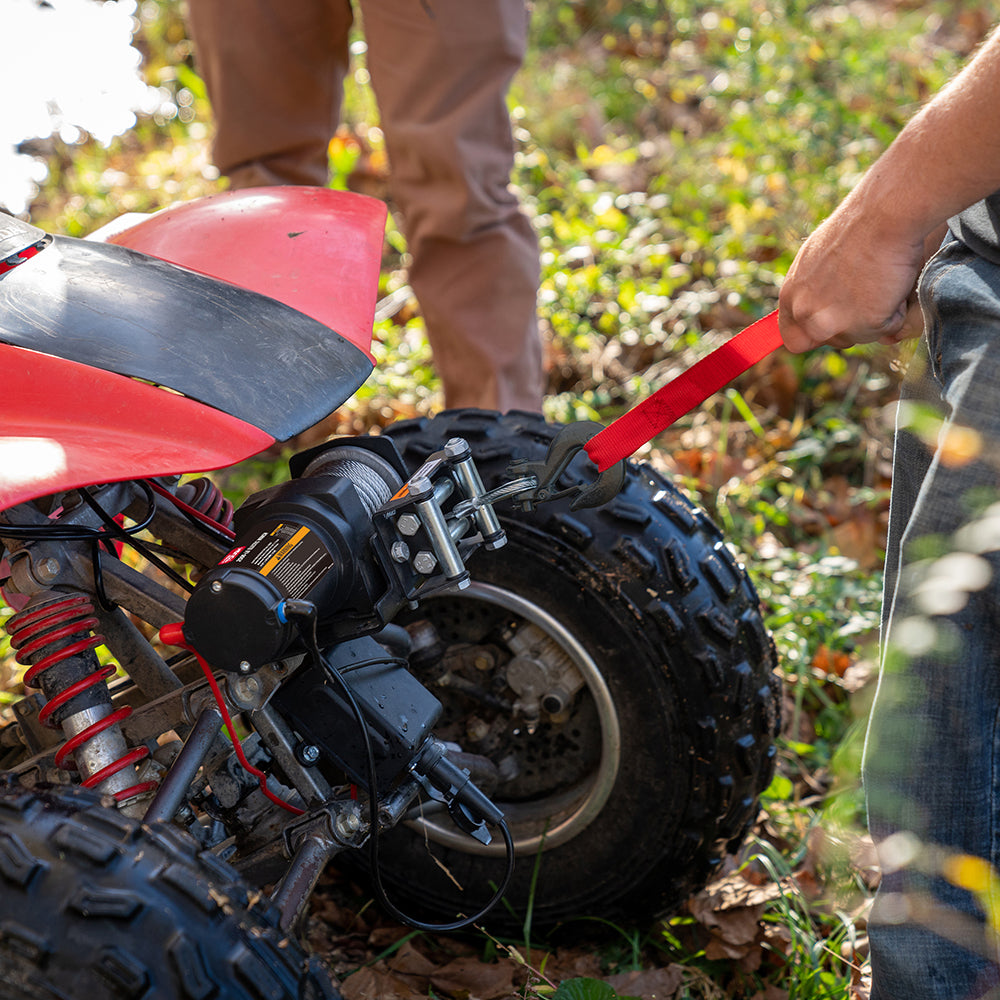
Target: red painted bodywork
314	249
65	424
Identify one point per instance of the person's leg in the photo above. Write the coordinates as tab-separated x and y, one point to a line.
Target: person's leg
440	70
274	70
932	762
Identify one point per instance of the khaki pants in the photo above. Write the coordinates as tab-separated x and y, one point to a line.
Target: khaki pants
440	70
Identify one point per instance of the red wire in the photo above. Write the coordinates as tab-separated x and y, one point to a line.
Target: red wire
192	511
172	635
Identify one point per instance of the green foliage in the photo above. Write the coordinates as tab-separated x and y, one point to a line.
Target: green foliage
813	965
672	156
586	989
816	600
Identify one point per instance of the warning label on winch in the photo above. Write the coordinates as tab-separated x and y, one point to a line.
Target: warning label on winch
291	556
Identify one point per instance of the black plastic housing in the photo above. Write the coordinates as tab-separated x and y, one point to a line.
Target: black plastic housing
304	540
398	709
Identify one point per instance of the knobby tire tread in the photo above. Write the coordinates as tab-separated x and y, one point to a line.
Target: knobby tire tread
94	905
662	568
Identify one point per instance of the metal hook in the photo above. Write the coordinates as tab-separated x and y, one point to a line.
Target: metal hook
564	448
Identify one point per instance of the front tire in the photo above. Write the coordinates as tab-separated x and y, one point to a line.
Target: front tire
627	797
94	906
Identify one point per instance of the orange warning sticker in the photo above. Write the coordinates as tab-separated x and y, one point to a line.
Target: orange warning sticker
283	551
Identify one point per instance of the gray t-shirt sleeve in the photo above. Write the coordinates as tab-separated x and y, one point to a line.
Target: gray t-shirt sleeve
978	227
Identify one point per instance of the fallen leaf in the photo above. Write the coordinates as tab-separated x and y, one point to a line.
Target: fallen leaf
859	538
861	982
731	910
831	661
732	892
779	939
652	984
385	937
568	963
377	983
775	385
408	961
771	993
468	977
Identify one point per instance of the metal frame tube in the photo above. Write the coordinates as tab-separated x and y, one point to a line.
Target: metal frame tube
170	795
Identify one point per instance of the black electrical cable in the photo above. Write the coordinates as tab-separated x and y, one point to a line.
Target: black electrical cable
80	532
304	610
115	530
372	661
84	533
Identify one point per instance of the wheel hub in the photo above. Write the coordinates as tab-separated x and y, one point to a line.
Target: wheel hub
505	664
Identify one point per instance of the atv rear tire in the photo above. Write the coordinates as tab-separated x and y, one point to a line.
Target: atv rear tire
94	906
638	789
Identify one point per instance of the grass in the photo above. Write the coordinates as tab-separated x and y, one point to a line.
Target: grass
672	157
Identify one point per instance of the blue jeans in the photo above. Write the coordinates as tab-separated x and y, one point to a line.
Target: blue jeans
932	758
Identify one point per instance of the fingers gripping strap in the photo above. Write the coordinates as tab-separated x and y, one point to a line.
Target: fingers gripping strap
643	422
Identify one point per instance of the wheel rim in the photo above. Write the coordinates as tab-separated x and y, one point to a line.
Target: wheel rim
573	809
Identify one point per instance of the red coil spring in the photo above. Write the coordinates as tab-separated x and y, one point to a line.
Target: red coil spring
33	630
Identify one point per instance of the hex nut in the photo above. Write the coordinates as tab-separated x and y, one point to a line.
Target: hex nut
424	562
408	524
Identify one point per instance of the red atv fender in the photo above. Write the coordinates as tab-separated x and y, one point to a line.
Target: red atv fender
314	249
87	331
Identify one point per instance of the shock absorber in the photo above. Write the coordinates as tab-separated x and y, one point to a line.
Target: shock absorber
205	497
53	636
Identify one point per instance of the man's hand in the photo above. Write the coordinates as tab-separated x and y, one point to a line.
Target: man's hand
852	282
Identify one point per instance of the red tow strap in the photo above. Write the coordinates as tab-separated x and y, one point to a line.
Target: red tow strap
704	378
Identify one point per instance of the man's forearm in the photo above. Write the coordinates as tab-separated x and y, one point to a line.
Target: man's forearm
948	155
852	279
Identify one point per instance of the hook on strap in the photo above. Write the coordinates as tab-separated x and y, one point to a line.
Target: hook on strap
565	446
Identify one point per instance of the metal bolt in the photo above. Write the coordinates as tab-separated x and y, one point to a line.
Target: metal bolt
216	586
246	689
553	702
245	667
408	524
400	551
457	448
347	824
424	562
47	570
307	753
